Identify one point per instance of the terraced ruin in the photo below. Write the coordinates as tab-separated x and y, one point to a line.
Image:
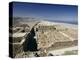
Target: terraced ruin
39	38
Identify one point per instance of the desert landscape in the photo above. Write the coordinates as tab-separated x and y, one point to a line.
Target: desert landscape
43	38
41	30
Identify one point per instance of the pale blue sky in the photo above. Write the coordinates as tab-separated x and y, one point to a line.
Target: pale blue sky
67	13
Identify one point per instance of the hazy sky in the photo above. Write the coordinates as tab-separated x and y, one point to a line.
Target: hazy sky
50	12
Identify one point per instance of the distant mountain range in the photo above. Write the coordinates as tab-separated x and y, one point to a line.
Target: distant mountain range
16	20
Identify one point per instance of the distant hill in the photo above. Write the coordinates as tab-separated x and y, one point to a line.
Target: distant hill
28	20
16	20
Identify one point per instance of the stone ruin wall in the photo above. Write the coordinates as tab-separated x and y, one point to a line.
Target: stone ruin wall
17	48
45	36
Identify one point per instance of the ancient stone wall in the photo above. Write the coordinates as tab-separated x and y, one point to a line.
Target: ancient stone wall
47	36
